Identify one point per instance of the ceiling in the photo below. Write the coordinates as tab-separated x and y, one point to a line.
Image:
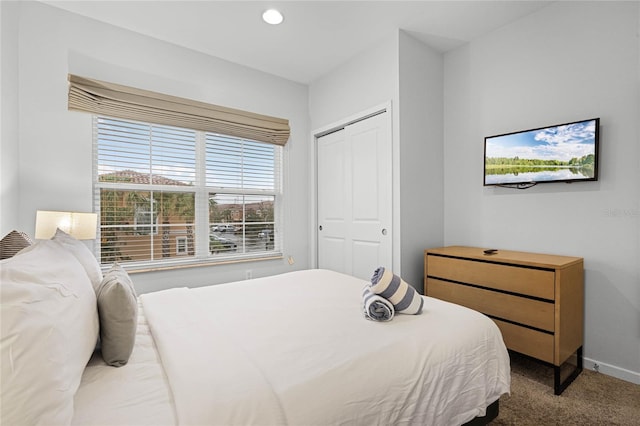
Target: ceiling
315	37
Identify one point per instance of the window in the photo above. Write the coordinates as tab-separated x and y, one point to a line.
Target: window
181	245
169	195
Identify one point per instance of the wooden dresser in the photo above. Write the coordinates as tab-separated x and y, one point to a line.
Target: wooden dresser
537	300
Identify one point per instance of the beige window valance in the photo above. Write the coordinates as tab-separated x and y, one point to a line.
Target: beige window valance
119	101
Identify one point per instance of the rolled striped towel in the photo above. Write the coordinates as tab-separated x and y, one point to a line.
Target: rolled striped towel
405	299
376	308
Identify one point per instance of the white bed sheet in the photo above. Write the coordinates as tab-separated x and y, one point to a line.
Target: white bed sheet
295	349
135	394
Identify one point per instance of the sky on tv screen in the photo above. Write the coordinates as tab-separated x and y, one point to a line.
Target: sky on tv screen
562	143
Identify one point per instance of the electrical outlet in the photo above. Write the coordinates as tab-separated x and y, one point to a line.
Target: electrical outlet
248	274
290	260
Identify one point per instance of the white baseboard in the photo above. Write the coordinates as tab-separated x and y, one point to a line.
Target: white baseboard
612	370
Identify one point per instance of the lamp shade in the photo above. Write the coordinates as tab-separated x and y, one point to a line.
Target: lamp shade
81	226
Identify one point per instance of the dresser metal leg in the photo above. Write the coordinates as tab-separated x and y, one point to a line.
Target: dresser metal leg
558	385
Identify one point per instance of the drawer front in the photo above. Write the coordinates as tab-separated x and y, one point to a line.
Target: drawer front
515	279
530	312
526	341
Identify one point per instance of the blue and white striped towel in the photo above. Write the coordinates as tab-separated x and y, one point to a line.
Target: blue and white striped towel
376	308
405	299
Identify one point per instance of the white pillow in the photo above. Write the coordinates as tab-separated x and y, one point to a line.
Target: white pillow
83	254
49	328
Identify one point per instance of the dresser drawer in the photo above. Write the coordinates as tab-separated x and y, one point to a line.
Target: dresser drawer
526	341
516	279
522	310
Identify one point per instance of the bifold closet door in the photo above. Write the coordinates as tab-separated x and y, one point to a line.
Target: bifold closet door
354	198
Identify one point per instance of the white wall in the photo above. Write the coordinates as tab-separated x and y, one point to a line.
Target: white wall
9	198
365	81
55	145
568	61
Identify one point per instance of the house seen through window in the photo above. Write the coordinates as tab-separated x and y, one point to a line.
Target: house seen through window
168	195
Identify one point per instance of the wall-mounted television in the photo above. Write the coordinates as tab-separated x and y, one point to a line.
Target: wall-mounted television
560	153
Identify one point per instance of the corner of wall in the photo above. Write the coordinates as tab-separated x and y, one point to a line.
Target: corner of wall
420	133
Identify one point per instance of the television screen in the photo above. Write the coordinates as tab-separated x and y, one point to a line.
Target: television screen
560	153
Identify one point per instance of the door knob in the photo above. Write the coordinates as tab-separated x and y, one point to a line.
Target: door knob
384	231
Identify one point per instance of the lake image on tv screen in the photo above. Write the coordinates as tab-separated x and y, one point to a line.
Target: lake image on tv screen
557	153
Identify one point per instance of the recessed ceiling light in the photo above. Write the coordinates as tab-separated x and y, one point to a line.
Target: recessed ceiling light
272	17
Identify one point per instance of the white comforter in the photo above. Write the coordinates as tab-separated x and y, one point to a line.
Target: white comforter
295	349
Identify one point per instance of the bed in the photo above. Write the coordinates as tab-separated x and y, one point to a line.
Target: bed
291	349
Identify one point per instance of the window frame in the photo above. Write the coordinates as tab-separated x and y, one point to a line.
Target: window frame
202	193
149	227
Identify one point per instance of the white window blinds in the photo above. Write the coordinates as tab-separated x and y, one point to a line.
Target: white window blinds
246	165
140	153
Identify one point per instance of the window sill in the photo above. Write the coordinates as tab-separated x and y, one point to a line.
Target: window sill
133	268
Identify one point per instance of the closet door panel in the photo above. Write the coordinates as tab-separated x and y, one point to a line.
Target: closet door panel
354	167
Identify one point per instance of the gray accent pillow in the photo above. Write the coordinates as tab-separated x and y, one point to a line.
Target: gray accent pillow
118	313
12	243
